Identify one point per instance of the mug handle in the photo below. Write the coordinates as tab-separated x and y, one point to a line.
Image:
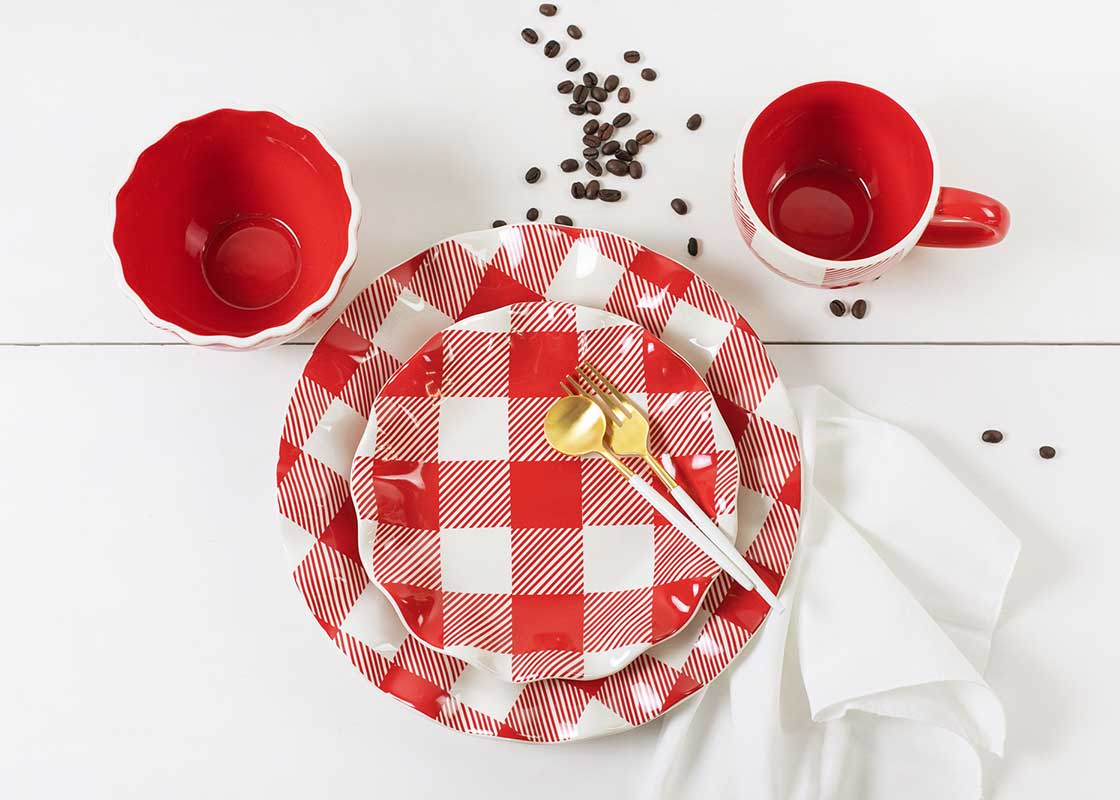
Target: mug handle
966	219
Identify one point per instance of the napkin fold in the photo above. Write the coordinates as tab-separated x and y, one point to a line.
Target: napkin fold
871	685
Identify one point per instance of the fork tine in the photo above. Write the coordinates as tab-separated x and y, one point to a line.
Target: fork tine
605	396
573	388
596	397
614	390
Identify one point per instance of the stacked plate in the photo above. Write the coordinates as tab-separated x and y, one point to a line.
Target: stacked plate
470	571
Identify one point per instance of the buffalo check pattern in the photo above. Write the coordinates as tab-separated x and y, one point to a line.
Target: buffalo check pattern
382	327
515	558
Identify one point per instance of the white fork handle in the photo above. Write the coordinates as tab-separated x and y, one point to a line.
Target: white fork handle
712	531
681	523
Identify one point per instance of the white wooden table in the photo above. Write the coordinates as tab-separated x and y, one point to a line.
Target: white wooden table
154	642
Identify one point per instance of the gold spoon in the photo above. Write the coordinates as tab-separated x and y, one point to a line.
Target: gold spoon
576	426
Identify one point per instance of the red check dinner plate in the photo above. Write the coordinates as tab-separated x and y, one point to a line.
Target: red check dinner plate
498	550
381	329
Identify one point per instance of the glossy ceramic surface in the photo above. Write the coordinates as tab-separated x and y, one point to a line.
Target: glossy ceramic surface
495	548
236	229
834	182
384	326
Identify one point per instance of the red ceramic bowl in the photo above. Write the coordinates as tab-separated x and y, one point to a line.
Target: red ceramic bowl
236	229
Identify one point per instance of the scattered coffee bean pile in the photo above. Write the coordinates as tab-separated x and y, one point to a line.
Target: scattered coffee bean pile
839	309
605	147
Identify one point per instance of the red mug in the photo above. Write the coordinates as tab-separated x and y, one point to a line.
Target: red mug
835	182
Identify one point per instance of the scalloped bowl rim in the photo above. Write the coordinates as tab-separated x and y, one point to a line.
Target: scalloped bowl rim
277	333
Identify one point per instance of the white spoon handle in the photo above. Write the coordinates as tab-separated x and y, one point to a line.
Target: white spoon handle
711	549
712	532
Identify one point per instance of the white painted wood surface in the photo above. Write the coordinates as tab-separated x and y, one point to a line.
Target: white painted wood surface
155	643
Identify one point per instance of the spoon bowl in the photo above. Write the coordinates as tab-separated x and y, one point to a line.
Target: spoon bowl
575	426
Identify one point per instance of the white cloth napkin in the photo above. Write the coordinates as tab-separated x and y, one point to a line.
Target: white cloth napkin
871	684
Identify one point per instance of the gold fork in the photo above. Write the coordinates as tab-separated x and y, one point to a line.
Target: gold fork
628	435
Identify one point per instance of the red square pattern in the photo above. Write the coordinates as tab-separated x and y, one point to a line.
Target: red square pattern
404	493
545	494
663	371
547	622
539	362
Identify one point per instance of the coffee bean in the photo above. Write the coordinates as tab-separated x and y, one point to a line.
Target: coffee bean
551	48
530	35
649	74
591	141
577	109
624	94
1046	451
693	246
569	165
593	107
616	167
611	83
575	32
680	206
606	131
548	9
635	170
591	152
599	93
610	195
590	79
579	94
837	308
645	137
622	155
592	189
621	120
610	148
564	87
859	309
562	219
594	167
497	223
632	146
631	56
693	122
572	64
533	174
578	190
991	437
591	126
532	214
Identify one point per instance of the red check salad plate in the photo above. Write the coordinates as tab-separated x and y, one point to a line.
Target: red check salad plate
494	548
382	328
